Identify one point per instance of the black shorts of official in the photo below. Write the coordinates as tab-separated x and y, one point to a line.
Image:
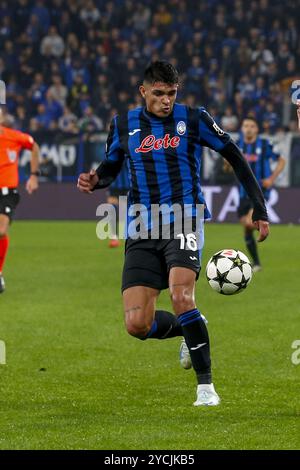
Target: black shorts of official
148	262
9	199
244	207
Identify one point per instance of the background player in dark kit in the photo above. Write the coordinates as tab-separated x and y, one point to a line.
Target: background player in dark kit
259	153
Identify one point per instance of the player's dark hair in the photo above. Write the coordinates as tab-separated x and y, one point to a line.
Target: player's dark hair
161	71
251	118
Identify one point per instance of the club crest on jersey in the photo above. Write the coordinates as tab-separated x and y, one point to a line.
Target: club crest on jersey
12	155
150	143
181	127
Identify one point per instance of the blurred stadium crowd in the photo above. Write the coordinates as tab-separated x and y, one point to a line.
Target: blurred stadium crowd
72	64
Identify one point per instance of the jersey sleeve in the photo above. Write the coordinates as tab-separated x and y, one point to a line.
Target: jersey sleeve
211	135
111	166
25	140
271	154
114	153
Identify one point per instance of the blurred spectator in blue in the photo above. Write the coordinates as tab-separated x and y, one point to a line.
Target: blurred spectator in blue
68	122
40	10
90	123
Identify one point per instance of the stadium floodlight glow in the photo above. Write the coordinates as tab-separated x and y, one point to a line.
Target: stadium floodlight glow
2	92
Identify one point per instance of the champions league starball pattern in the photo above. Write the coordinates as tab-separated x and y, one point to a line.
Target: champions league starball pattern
229	271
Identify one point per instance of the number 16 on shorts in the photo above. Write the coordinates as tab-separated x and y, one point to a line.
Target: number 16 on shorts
188	242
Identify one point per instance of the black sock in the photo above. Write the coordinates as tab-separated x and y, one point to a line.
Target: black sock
165	325
252	247
197	340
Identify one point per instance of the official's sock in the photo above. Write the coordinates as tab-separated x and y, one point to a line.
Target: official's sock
4	242
165	325
197	340
252	247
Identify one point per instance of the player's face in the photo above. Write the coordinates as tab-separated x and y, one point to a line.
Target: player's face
249	129
160	97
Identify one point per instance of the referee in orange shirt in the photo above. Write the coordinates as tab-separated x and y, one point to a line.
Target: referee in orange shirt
11	143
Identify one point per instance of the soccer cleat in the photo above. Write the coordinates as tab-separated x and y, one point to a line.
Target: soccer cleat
184	356
256	268
2	284
207	396
114	243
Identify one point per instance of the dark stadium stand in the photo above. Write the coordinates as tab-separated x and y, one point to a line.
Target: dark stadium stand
70	65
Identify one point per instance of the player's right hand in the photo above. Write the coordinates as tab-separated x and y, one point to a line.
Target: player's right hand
87	181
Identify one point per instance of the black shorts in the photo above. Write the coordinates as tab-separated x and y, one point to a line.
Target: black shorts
9	202
244	207
148	262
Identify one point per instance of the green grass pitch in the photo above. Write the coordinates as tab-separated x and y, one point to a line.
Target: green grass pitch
74	379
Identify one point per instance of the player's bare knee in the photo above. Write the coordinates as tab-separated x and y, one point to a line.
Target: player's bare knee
182	302
137	329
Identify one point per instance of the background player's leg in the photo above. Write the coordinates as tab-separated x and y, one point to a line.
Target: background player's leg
114	241
142	320
250	241
182	290
4	241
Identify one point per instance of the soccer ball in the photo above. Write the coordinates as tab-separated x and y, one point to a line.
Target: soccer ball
229	272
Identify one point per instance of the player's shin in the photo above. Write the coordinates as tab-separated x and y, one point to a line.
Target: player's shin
165	325
197	340
252	247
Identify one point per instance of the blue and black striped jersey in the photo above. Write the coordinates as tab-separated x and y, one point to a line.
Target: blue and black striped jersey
121	183
163	155
259	155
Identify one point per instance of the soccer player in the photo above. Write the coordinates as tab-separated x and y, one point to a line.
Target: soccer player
259	152
11	142
161	144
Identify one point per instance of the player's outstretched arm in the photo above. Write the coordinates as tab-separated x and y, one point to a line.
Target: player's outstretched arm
100	178
33	182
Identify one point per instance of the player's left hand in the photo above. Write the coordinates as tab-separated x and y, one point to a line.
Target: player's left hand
32	184
263	227
267	183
